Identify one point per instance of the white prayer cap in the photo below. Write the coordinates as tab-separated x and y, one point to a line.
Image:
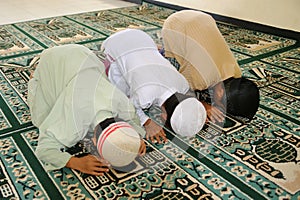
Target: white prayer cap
188	116
119	144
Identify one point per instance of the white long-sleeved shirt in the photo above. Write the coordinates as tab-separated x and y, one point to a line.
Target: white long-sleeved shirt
140	71
68	96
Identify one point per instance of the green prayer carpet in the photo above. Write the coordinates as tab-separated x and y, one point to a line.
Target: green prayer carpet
259	160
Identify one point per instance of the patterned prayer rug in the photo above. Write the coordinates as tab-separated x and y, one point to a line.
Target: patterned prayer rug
259	160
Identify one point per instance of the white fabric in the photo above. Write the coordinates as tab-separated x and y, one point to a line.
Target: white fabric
119	144
140	71
188	117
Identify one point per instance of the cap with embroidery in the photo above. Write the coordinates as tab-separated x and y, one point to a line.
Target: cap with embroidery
119	144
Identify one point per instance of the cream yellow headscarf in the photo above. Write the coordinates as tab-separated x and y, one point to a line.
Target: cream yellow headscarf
194	40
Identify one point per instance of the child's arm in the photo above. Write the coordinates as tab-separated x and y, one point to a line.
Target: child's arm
53	156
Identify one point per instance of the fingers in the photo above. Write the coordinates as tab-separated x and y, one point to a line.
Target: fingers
219	116
103	161
155	133
98	171
150	134
160	137
101	165
142	150
165	138
147	136
215	115
96	166
97	160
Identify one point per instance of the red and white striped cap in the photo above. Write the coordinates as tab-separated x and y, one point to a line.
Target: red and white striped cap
119	144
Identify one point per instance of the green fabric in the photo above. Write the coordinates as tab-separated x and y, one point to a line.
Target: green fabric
68	96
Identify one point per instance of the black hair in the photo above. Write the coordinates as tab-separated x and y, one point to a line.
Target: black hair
242	97
104	124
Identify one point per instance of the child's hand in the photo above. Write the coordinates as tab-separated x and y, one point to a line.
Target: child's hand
89	164
142	150
213	113
154	132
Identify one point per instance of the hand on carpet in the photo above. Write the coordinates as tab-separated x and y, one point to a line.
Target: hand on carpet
142	150
89	164
154	132
214	114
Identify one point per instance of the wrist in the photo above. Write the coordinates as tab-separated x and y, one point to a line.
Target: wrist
147	122
205	104
72	162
